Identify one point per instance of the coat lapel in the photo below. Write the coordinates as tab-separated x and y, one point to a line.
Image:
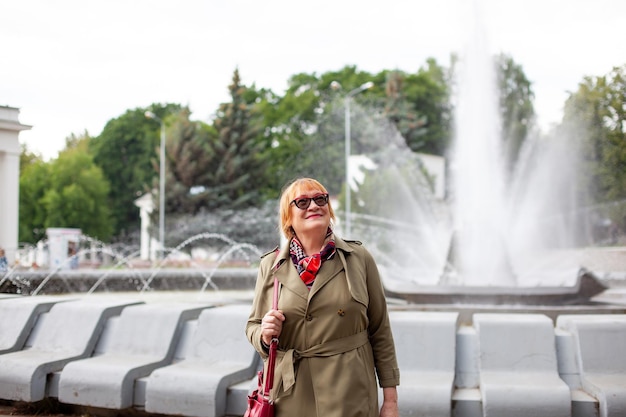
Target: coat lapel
328	271
287	274
331	267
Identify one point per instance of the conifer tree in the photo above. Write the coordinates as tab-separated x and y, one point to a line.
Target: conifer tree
187	160
236	167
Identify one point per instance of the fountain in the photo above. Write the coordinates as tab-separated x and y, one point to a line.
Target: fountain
123	271
502	236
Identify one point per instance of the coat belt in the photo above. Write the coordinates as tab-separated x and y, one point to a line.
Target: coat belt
285	370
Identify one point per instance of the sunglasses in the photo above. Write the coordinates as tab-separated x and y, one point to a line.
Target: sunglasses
303	203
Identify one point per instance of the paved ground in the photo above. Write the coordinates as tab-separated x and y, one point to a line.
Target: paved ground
48	408
27	411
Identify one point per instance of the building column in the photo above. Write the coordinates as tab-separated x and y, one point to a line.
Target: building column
146	206
10	127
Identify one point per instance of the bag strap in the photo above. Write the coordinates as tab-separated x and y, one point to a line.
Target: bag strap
271	364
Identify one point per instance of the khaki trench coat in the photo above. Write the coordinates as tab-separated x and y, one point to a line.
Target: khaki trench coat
336	338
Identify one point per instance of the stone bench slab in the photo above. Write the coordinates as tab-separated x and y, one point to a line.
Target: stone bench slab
18	316
518	367
68	332
219	356
143	339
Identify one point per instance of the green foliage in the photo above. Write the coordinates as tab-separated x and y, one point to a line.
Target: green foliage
613	167
305	129
125	151
187	156
401	112
419	106
28	157
582	123
516	105
235	170
286	120
67	192
595	116
34	182
81	142
79	196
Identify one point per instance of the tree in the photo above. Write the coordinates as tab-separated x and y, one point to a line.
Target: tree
419	106
34	181
78	197
595	117
305	128
411	124
187	159
287	122
125	150
70	191
516	105
28	157
80	141
582	122
236	167
613	167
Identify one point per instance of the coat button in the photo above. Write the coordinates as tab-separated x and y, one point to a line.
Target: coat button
309	317
341	312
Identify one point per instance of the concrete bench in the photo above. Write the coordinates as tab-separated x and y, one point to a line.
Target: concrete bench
600	354
425	347
518	367
218	356
18	316
142	339
466	398
583	404
237	397
68	332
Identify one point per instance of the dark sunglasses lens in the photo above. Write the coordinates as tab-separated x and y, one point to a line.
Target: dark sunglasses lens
303	203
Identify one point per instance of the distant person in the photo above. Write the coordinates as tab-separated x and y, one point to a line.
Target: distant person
332	324
4	264
71	253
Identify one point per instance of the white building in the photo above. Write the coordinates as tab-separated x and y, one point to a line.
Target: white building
10	128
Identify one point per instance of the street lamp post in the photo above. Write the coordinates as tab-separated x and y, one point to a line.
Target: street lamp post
349	96
151	115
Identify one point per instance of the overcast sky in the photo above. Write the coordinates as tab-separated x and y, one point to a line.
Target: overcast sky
72	65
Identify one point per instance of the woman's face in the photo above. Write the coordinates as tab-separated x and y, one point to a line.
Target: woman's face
313	219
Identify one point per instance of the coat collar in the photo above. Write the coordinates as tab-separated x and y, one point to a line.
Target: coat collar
283	253
288	275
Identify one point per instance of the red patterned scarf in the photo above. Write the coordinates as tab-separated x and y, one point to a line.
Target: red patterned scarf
308	266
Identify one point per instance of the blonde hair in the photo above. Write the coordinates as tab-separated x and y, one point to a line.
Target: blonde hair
290	192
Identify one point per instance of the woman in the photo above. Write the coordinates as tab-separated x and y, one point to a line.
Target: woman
332	323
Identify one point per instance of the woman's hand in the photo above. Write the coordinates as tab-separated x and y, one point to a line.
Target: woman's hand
390	403
271	325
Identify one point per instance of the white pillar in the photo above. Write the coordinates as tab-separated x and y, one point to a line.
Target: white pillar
147	246
10	127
